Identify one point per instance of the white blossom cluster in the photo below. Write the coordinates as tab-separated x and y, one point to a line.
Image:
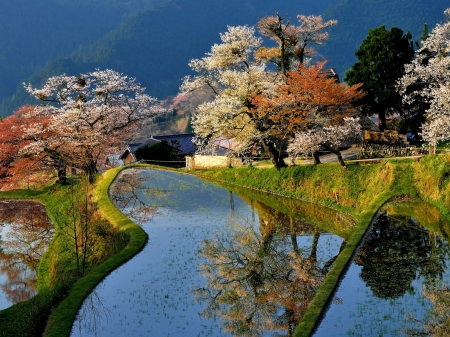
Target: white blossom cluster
236	72
324	138
428	77
233	74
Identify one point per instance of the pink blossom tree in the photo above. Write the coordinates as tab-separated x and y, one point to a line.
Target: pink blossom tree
90	115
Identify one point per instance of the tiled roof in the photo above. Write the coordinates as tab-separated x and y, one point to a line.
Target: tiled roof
133	146
187	147
185	140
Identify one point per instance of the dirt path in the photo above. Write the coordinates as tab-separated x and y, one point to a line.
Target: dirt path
349	154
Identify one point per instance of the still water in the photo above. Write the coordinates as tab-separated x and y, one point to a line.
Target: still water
25	232
216	264
398	283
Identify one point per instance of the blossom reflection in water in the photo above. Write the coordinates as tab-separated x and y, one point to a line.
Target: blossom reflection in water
25	232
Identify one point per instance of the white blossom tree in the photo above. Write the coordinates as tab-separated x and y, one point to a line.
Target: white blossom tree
428	77
322	137
234	76
235	71
89	116
294	42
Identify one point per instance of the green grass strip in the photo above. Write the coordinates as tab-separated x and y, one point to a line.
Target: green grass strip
359	191
61	319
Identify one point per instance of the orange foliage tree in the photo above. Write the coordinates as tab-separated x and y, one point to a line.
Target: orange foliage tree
309	100
16	167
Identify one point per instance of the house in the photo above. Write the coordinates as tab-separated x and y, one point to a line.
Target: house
113	160
330	73
183	143
220	147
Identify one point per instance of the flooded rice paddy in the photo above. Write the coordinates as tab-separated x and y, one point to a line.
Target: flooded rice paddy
216	263
25	232
223	262
398	283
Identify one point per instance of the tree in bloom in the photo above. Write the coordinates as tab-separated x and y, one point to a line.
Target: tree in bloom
235	71
17	167
234	76
293	41
329	138
315	108
89	115
427	79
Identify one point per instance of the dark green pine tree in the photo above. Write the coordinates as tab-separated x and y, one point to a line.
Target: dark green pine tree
381	59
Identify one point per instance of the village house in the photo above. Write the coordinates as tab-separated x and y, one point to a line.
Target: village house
182	142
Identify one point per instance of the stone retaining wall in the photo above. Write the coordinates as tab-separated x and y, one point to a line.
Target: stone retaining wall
199	162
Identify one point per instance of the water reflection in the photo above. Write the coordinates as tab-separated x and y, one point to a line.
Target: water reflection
131	195
25	232
398	279
394	254
211	254
261	280
92	313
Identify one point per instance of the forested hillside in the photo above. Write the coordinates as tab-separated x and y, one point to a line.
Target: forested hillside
356	17
155	45
32	32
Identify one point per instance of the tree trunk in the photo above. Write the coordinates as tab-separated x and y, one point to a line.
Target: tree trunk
90	168
316	158
293	236
62	176
275	155
382	119
313	254
340	159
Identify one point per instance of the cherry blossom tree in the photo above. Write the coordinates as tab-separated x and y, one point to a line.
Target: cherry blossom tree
293	41
89	116
18	169
427	78
234	76
329	138
235	72
316	109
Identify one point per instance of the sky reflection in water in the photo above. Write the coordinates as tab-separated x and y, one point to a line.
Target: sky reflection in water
209	254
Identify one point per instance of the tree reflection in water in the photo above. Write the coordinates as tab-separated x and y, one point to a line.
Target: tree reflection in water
259	280
399	250
130	194
91	313
396	252
26	232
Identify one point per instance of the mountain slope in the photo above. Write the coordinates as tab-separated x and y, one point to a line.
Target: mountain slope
32	32
155	46
356	17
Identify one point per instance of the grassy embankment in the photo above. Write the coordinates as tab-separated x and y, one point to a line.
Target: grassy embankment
61	290
360	192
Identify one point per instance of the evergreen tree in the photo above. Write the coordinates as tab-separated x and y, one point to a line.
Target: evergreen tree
381	59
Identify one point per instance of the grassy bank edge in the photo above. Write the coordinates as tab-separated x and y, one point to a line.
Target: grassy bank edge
401	182
61	319
406	180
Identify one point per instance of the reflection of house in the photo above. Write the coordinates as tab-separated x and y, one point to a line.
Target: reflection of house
182	142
